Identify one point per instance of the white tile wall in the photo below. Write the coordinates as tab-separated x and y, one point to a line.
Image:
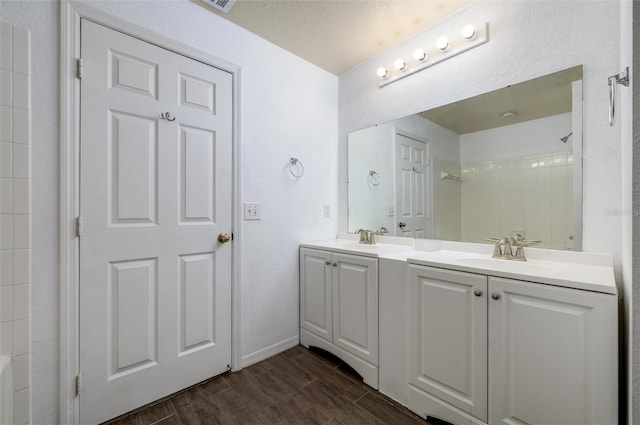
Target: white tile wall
15	213
447	199
532	194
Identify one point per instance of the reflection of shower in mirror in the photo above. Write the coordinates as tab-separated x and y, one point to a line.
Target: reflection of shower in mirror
565	138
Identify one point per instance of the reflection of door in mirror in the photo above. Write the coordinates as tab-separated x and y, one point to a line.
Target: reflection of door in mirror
412	186
500	163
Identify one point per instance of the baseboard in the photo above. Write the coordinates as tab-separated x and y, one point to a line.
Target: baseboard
270	351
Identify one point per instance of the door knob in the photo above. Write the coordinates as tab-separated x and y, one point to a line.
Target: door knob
402	224
477	293
495	296
224	238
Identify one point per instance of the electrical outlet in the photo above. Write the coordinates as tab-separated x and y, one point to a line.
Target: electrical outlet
252	211
327	210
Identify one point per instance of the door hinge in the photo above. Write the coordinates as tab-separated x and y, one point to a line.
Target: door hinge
79	68
78	384
79	226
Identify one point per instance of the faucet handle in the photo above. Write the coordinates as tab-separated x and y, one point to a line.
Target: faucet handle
497	248
381	231
527	242
520	249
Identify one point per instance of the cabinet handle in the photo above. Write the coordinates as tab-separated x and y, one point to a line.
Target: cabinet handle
477	293
334	264
495	296
328	263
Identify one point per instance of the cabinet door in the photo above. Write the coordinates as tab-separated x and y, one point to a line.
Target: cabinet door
355	305
316	314
448	337
552	355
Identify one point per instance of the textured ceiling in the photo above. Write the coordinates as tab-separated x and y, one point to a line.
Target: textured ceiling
538	98
336	35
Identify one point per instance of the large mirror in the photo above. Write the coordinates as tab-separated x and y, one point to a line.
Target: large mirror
494	165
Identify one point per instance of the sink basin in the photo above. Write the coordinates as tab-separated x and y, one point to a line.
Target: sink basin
495	263
359	246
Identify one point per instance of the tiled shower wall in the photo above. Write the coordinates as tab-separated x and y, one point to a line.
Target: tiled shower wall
447	198
15	210
532	194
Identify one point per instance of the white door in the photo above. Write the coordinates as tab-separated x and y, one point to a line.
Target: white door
155	283
355	305
316	313
412	185
448	338
552	355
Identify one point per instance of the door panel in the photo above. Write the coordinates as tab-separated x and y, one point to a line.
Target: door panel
197	175
355	305
133	163
448	337
412	191
316	313
197	302
132	319
155	285
545	354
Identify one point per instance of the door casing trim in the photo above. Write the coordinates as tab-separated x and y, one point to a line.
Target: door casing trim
71	12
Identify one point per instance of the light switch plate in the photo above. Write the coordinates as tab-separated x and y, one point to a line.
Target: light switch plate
252	211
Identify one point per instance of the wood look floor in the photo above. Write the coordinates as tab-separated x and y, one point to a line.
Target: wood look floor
296	387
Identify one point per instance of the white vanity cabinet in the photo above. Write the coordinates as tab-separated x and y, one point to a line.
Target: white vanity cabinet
493	350
339	307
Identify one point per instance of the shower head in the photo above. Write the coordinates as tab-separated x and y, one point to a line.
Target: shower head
565	138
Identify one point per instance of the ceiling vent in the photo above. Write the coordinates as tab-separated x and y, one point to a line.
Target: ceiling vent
223	5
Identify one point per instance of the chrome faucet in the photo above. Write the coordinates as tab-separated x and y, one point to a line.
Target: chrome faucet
366	236
520	243
502	247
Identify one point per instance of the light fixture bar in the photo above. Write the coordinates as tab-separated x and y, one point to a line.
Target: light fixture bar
457	46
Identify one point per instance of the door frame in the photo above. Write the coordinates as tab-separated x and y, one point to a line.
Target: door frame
71	12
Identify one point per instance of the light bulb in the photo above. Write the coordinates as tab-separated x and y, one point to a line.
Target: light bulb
420	55
400	64
469	32
443	43
382	72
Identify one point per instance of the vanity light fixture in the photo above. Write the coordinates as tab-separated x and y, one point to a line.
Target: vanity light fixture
382	72
469	32
449	45
443	44
400	64
420	55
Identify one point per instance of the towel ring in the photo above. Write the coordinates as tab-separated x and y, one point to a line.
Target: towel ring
296	169
373	178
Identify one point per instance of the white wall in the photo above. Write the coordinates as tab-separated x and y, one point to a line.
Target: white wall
522	139
288	108
629	109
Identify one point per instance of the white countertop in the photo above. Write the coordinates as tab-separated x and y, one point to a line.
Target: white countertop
570	269
585	275
347	243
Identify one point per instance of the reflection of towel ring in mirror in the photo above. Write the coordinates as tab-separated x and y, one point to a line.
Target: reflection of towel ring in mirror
296	168
374	178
